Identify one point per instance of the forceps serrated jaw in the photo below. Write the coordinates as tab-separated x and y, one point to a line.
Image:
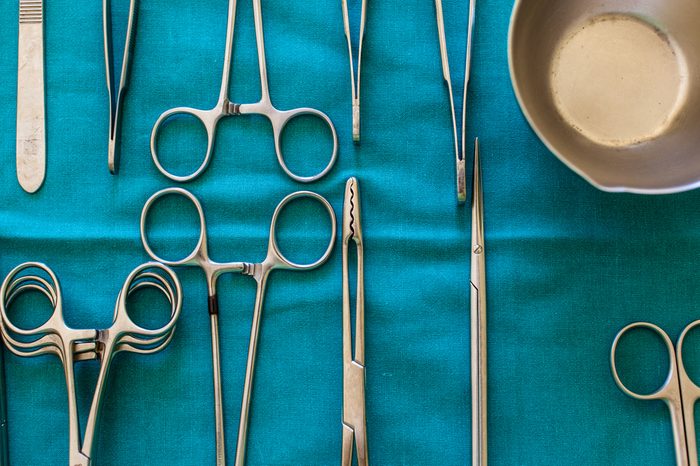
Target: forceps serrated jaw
354	420
116	93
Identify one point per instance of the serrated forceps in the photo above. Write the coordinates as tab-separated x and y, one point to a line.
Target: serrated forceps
460	143
116	92
355	82
354	413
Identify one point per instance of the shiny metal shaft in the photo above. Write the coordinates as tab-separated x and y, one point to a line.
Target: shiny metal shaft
478	322
218	396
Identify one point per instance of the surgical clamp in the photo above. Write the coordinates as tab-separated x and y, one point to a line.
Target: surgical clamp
354	411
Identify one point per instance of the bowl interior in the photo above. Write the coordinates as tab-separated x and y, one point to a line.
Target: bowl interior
612	88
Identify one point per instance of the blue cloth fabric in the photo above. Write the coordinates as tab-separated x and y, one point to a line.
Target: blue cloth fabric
567	265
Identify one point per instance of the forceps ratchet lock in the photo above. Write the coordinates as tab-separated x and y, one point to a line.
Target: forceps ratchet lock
74	345
224	108
679	391
354	408
116	91
260	272
459	138
31	112
355	81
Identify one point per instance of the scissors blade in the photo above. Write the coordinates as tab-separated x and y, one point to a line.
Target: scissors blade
31	133
478	321
354	414
116	93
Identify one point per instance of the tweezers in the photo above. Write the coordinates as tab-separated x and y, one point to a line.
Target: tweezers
460	149
116	95
353	81
478	321
354	414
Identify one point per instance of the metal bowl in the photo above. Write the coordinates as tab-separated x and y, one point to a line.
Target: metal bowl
612	88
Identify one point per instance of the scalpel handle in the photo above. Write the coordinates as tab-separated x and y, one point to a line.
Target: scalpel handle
31	134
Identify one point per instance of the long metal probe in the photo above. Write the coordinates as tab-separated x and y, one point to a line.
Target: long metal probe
478	321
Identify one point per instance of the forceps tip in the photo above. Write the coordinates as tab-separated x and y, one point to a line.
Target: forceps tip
351	214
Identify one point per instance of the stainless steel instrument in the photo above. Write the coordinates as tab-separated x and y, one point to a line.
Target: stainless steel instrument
116	91
678	391
355	81
225	107
260	272
459	138
31	132
354	415
478	322
73	345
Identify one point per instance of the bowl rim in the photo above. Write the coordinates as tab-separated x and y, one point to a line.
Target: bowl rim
581	172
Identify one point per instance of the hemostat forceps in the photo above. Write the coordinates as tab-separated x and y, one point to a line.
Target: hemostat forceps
354	414
460	149
116	93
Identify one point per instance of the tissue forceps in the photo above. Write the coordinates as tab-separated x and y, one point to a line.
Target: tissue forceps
355	82
354	408
74	345
224	108
478	334
460	148
260	272
678	391
116	93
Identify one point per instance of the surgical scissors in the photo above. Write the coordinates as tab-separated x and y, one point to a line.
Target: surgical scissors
116	94
354	414
460	149
678	391
224	107
355	82
73	345
260	272
479	339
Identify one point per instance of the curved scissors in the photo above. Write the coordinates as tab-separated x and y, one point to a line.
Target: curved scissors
72	345
224	107
260	272
678	391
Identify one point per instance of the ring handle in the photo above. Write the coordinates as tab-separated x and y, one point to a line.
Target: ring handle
200	250
133	337
44	338
280	119
208	118
662	392
275	255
